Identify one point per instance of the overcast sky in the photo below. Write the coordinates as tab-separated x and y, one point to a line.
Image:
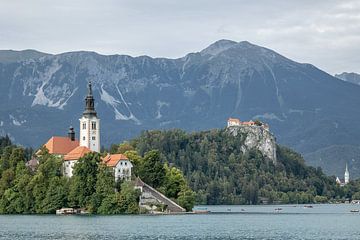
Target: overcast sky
325	33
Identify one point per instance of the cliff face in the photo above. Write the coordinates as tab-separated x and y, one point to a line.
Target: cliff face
256	138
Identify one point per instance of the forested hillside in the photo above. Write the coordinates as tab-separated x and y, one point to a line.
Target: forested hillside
220	173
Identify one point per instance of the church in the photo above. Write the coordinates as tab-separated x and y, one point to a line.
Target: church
346	177
71	150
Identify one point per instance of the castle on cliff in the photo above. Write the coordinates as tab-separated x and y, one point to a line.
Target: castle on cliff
236	122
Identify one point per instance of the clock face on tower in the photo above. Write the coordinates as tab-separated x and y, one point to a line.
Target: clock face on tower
93	132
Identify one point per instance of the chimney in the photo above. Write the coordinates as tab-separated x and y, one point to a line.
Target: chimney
71	134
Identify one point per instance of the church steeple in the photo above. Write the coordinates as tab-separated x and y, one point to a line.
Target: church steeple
90	124
346	175
89	103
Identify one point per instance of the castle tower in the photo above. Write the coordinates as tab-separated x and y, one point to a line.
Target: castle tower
346	175
90	124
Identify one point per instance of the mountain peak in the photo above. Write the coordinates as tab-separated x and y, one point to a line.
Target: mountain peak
218	47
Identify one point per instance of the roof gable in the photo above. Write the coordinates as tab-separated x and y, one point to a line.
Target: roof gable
61	145
111	160
77	153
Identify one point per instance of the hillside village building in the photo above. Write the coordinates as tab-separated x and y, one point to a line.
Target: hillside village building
71	149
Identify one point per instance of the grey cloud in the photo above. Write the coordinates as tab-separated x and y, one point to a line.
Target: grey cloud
325	33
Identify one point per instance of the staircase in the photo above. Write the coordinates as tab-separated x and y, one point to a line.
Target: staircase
150	195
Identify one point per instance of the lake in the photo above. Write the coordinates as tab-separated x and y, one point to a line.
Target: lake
225	222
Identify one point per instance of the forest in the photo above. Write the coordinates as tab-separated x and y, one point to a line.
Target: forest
220	173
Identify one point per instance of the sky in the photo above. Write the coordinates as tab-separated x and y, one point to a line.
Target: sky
325	33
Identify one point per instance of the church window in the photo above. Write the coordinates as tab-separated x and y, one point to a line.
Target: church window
93	125
84	138
84	126
125	163
93	138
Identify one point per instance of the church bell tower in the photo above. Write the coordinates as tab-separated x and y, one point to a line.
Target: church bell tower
90	124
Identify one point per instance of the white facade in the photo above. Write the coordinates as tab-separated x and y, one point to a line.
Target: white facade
90	133
122	170
68	167
233	122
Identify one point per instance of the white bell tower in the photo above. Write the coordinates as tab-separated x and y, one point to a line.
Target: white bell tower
90	124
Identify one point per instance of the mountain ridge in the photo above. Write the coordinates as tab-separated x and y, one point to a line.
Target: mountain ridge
307	108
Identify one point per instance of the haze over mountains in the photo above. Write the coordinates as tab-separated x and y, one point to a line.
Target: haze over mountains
307	109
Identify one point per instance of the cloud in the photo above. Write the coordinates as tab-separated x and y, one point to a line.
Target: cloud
325	33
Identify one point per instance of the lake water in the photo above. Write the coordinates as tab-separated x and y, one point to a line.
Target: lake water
225	222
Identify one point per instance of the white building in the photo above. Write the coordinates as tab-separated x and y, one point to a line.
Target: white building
233	122
71	158
120	164
90	124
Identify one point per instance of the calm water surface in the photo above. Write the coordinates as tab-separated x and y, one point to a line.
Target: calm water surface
238	222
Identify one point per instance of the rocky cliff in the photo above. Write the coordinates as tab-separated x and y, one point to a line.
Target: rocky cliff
256	137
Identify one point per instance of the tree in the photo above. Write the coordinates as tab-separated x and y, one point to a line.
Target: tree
152	170
56	195
83	184
105	189
356	196
186	198
174	181
125	147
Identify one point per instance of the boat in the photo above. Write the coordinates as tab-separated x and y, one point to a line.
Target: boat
201	210
308	206
354	210
278	209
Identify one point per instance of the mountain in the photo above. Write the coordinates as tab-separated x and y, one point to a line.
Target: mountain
8	56
306	108
349	77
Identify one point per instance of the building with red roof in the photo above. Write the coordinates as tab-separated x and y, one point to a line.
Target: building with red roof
72	157
120	164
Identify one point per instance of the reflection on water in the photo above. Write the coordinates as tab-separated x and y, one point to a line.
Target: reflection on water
225	222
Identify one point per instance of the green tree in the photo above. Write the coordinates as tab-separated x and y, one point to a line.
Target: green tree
152	170
83	182
186	198
174	181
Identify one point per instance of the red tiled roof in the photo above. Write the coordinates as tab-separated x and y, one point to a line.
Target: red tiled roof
248	123
111	160
77	153
61	145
